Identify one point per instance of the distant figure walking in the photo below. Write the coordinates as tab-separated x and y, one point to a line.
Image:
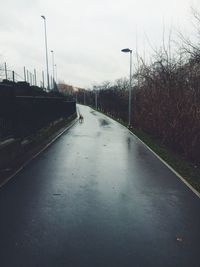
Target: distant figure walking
80	118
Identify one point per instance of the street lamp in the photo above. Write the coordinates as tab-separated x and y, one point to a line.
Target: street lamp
45	31
96	96
52	52
56	73
127	50
96	100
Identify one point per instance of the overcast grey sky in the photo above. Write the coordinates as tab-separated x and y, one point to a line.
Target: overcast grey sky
86	35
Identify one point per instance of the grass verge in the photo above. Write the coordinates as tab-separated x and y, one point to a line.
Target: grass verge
190	172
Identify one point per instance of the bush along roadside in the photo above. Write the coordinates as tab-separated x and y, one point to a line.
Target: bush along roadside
188	170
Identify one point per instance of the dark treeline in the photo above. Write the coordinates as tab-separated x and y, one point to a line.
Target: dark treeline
165	99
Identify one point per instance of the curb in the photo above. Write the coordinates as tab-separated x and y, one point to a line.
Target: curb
38	153
168	166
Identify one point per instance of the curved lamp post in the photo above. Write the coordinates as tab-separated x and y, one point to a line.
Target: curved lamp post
127	50
52	52
56	75
47	65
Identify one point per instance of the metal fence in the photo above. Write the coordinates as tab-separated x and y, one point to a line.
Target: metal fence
23	115
25	105
33	77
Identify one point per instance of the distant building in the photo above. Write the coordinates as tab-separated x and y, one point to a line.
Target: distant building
65	88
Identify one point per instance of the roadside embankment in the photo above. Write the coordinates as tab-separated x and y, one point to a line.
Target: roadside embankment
15	153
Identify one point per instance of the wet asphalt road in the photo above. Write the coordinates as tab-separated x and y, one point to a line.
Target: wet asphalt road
98	197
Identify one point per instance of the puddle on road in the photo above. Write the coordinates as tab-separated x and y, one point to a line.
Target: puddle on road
104	122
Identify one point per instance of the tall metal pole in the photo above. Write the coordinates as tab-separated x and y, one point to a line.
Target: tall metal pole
43	79
13	76
56	73
6	73
35	75
130	85
51	82
47	65
127	50
25	74
30	79
96	103
52	52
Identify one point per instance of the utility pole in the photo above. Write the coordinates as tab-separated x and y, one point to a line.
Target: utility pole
47	65
13	76
43	79
28	76
96	104
127	50
24	74
6	73
56	74
35	77
52	52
